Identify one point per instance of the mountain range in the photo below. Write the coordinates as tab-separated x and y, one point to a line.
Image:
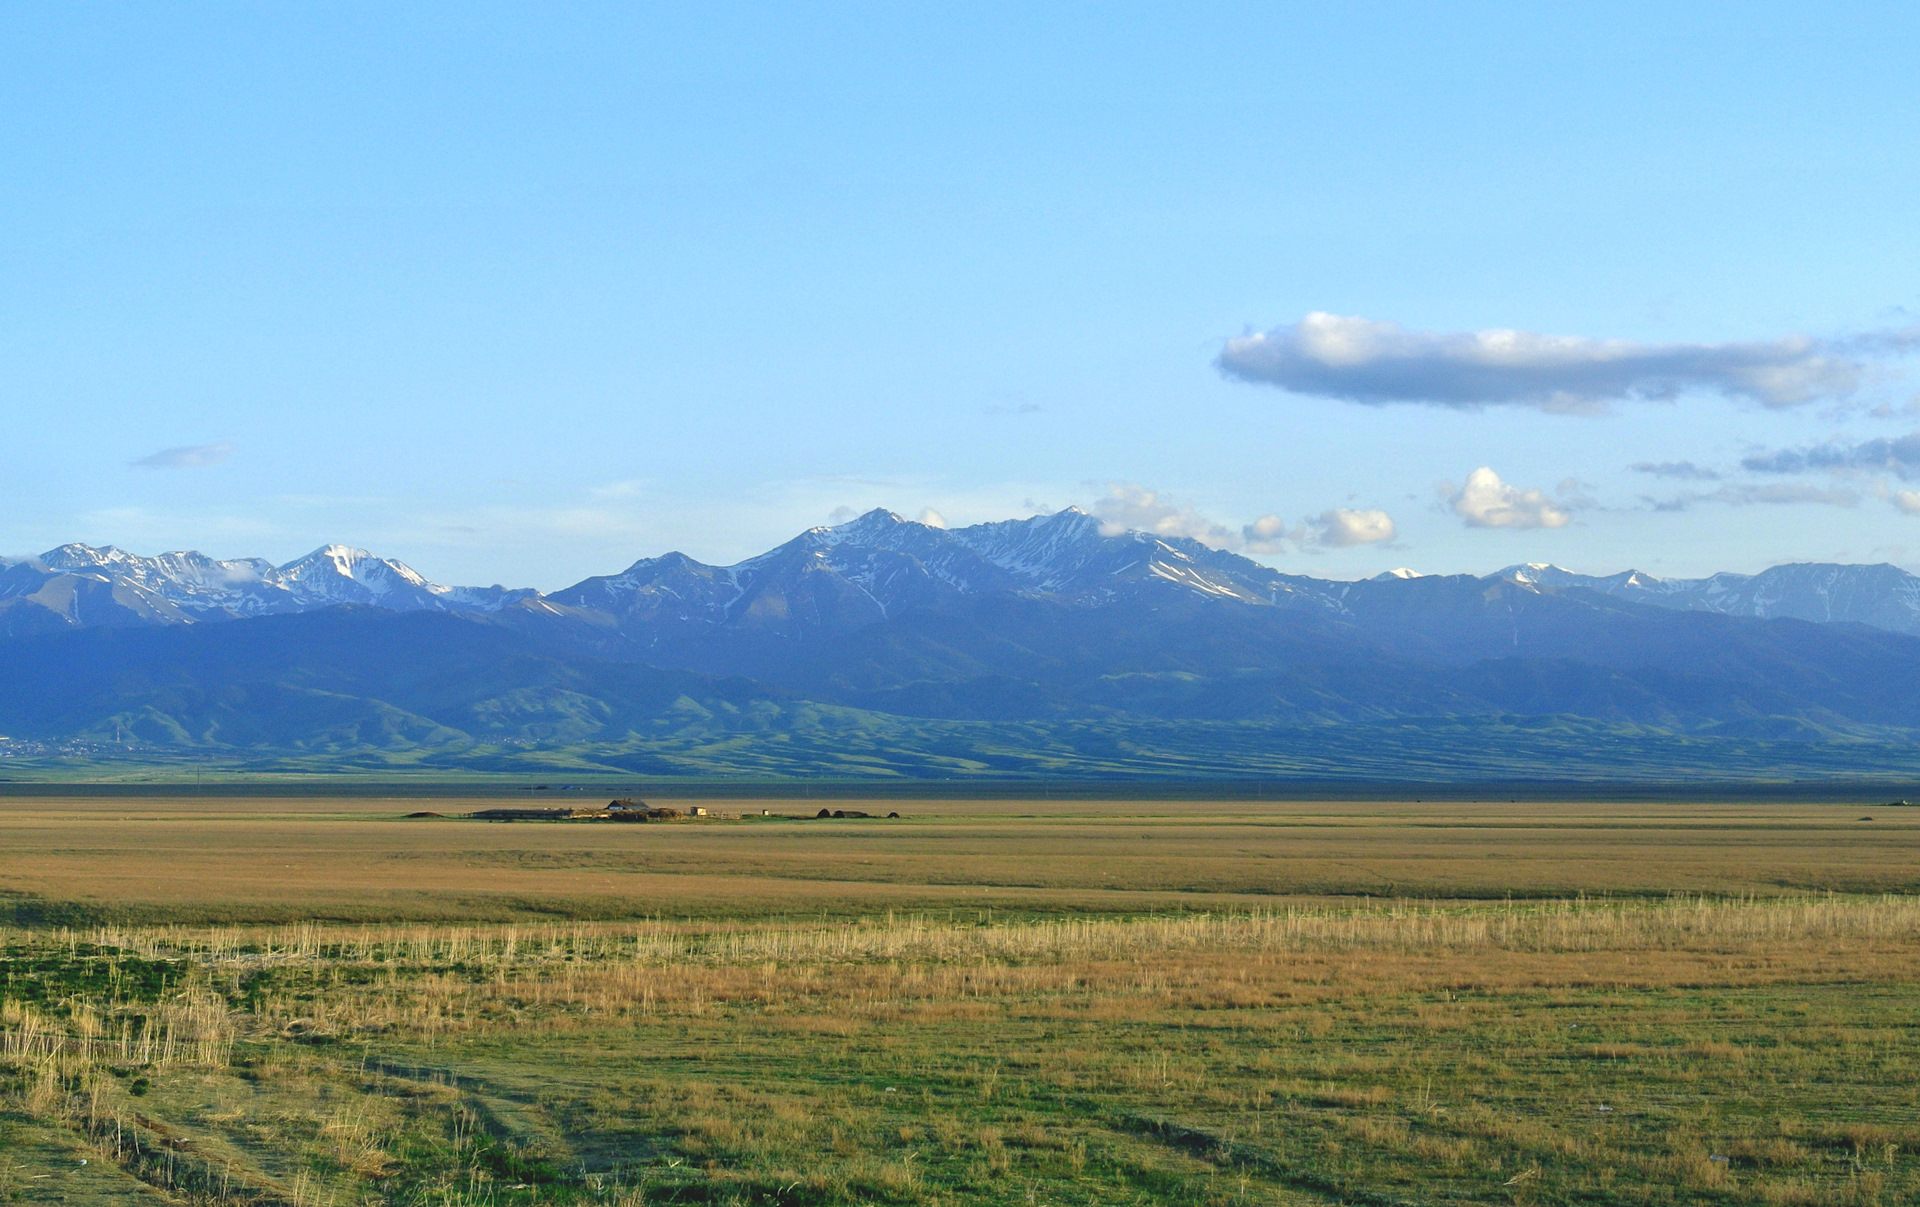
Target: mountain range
881	562
81	586
1044	646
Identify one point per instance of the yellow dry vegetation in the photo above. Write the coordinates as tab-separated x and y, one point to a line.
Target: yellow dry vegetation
1675	1005
159	858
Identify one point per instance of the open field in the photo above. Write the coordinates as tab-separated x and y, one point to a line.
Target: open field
982	1002
90	859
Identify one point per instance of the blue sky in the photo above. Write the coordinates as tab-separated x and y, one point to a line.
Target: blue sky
521	294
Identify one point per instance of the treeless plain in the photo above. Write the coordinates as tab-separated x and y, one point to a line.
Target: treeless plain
270	858
293	1001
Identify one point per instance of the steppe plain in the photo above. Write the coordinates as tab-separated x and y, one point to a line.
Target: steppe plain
312	1000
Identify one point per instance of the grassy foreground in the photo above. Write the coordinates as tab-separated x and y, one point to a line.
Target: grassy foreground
1667	1051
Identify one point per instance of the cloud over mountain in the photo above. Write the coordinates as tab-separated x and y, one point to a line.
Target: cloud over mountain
1487	502
1335	528
1367	361
1341	527
1130	506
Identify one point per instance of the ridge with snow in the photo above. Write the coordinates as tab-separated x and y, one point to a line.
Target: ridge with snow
876	567
80	585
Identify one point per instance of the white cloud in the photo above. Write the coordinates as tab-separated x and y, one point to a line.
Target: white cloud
1907	501
932	518
1487	502
1361	360
1268	534
186	456
1336	528
1342	527
1129	506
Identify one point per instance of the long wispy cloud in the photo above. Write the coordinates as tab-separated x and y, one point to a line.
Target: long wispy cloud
1685	470
186	456
1743	494
1897	455
1368	361
1785	492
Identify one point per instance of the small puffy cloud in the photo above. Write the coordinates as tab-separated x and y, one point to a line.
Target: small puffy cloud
186	456
1898	455
1341	527
1487	502
932	518
841	514
1129	506
1336	528
1268	534
1684	470
1907	501
1366	361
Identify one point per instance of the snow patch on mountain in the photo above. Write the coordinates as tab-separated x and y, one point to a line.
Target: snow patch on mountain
1881	595
185	585
875	566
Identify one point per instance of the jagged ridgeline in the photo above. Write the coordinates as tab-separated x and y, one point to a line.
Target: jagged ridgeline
884	647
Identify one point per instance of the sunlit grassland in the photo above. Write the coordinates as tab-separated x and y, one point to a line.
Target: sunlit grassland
83	861
993	1002
1677	1051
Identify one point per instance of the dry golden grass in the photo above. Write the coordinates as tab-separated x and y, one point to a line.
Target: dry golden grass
1684	1050
959	1007
350	858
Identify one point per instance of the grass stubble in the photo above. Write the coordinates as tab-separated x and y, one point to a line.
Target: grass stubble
1728	1048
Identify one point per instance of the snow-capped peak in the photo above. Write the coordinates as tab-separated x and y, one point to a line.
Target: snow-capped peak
201	587
895	563
77	556
1535	573
320	574
860	529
